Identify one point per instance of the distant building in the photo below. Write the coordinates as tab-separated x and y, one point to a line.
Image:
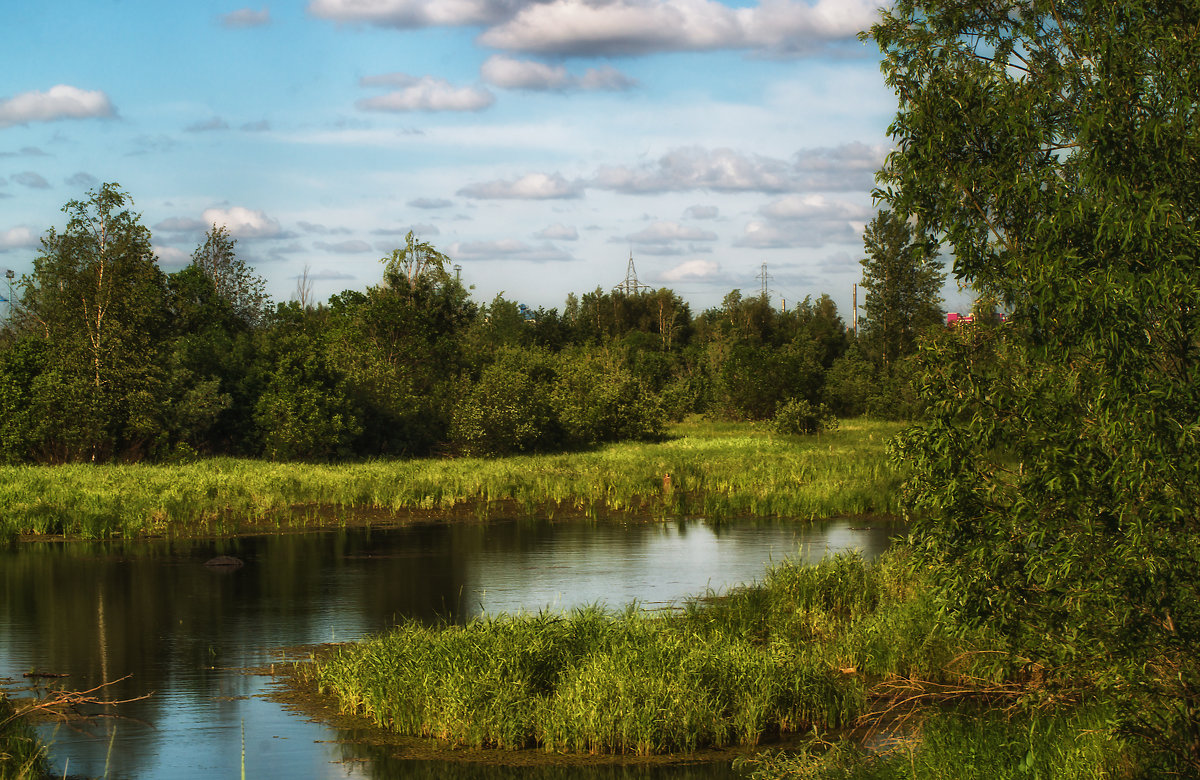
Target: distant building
954	319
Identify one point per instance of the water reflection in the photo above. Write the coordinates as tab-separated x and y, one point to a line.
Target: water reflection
184	631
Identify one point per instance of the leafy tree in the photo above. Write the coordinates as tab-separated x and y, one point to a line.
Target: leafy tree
233	280
903	281
97	298
1053	147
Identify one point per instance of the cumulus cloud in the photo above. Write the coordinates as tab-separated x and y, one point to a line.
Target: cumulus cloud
702	212
636	27
328	275
59	102
344	247
430	203
507	249
82	179
692	270
558	232
207	125
668	232
31	180
846	168
426	93
246	17
532	186
169	255
315	227
624	27
17	238
509	73
243	222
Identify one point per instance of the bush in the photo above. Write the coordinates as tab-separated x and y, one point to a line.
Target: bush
798	416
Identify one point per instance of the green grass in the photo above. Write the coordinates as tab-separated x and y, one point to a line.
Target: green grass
716	470
777	658
22	757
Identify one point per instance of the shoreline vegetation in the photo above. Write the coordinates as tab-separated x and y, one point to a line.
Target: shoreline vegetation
853	653
714	470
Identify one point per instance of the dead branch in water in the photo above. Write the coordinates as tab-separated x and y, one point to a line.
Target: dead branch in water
65	704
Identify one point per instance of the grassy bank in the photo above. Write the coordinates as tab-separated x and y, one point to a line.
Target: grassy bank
786	656
715	470
850	652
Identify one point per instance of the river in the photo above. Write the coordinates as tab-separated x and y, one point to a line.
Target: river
151	612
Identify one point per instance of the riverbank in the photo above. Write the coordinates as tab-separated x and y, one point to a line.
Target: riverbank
853	653
712	470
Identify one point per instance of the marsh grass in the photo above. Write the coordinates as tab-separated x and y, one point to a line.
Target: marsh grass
968	743
715	470
769	659
22	757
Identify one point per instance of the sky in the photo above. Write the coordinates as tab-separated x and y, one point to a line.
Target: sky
538	143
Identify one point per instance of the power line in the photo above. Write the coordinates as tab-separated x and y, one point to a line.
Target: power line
631	285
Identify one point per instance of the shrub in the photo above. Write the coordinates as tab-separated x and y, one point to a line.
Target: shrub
798	416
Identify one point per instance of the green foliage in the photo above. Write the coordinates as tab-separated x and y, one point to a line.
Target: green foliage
802	418
509	409
22	757
233	281
596	401
1052	146
903	280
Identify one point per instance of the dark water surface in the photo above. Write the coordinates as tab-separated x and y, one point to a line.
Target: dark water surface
185	632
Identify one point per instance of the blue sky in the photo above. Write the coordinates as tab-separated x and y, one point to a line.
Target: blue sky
537	142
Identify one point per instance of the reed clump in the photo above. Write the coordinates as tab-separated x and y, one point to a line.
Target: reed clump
768	659
715	471
22	757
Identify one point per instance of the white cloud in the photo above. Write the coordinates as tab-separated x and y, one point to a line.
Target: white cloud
668	232
169	255
559	232
507	72
426	93
532	186
702	212
243	222
246	17
692	270
791	235
18	238
507	249
406	14
82	179
329	275
634	27
815	207
850	168
59	102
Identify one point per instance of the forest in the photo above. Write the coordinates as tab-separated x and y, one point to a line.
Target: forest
107	358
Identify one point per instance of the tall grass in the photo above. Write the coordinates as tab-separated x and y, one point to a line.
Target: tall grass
768	659
22	757
714	471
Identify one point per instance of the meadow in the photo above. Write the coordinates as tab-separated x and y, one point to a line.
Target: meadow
714	470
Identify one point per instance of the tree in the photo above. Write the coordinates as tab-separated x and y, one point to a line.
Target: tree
97	298
414	260
234	281
1052	146
903	279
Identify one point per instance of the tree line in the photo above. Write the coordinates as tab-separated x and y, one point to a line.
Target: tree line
106	357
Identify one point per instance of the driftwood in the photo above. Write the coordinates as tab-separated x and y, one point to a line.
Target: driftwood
65	704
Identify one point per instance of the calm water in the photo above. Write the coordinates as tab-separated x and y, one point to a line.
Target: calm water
184	631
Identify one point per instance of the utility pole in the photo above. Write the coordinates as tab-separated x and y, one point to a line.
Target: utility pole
763	277
8	276
856	310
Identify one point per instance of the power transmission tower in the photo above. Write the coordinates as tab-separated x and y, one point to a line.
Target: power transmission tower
764	278
631	286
